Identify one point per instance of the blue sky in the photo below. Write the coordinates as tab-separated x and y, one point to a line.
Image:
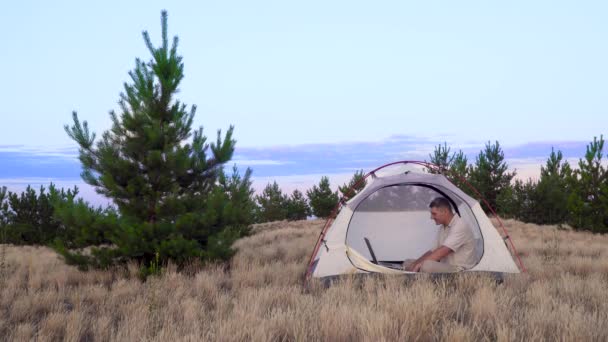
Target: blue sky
358	83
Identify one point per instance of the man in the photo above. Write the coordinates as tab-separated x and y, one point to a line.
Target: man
455	249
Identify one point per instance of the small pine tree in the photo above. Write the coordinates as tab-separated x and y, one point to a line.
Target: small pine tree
297	206
459	165
489	173
239	202
508	203
553	190
26	216
162	176
233	201
456	164
4	214
354	186
441	157
459	173
4	209
322	200
272	204
519	200
82	224
588	201
29	217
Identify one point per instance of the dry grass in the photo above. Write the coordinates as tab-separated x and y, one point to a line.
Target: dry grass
260	297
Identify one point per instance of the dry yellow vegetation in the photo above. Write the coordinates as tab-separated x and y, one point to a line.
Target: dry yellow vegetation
260	297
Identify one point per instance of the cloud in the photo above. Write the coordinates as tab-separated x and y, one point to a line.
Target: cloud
22	163
300	182
569	149
254	162
62	152
293	166
29	181
332	157
300	167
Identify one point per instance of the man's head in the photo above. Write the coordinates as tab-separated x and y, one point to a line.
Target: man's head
441	211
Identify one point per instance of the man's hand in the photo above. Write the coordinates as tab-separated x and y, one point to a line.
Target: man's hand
435	255
416	265
413	267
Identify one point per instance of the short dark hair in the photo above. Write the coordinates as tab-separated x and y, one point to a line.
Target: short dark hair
441	202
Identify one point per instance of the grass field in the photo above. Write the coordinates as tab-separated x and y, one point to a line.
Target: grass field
259	296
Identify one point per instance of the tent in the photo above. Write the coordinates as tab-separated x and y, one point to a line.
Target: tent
388	221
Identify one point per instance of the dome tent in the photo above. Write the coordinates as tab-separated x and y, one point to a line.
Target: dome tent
388	221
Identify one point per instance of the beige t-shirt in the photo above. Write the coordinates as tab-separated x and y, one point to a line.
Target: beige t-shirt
458	237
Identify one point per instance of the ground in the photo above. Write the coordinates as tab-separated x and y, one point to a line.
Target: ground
259	296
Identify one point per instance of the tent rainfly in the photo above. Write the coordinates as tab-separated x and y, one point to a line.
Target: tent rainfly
388	221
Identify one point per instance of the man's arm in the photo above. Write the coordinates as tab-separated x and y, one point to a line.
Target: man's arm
436	255
439	253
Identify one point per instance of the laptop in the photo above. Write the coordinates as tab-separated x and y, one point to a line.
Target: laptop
388	264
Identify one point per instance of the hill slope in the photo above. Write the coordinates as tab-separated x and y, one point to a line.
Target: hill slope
259	297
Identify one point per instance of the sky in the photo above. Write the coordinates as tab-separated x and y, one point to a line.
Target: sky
315	87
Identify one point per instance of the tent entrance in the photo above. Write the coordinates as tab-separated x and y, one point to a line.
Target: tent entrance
397	222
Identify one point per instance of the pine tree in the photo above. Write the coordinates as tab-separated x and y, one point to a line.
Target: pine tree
29	217
519	201
239	203
544	201
552	190
442	158
322	200
162	176
297	206
459	172
489	173
455	164
82	224
272	204
459	165
4	214
4	211
354	186
588	201
233	201
508	202
24	217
